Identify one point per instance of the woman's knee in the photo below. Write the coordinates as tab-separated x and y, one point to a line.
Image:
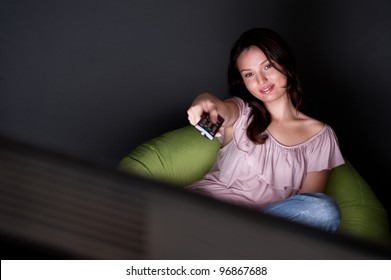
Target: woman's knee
312	209
325	212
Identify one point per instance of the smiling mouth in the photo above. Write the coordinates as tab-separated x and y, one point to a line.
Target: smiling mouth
267	89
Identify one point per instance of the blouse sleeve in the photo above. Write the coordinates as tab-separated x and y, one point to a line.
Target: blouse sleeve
324	152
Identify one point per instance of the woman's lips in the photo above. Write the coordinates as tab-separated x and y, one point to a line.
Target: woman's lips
267	89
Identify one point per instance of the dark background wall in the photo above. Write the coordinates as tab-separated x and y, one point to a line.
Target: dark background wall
95	78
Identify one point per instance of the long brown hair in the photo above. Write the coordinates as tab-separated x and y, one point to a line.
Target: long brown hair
276	50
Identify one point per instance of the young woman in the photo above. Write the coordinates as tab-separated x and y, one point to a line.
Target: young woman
273	157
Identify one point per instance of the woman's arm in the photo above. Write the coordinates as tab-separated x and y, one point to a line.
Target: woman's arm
315	181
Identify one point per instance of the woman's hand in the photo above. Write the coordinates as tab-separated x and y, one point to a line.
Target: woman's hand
208	103
205	103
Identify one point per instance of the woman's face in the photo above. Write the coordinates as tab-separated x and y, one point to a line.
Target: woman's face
260	78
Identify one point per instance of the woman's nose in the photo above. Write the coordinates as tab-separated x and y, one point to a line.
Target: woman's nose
261	79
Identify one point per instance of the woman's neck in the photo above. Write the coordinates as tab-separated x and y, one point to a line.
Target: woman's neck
282	109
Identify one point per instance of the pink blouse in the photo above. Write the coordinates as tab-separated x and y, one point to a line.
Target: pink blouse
255	176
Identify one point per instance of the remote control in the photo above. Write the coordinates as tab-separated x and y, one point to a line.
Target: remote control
207	128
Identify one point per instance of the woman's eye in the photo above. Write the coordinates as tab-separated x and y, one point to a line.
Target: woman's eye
268	66
248	75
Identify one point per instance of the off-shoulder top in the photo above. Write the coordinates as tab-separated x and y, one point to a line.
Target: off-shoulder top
256	175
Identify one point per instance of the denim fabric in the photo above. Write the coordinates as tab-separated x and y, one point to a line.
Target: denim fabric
312	209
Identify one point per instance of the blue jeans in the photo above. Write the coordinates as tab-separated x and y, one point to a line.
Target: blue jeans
312	209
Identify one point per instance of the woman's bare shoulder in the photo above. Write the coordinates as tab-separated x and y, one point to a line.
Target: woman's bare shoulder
311	125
